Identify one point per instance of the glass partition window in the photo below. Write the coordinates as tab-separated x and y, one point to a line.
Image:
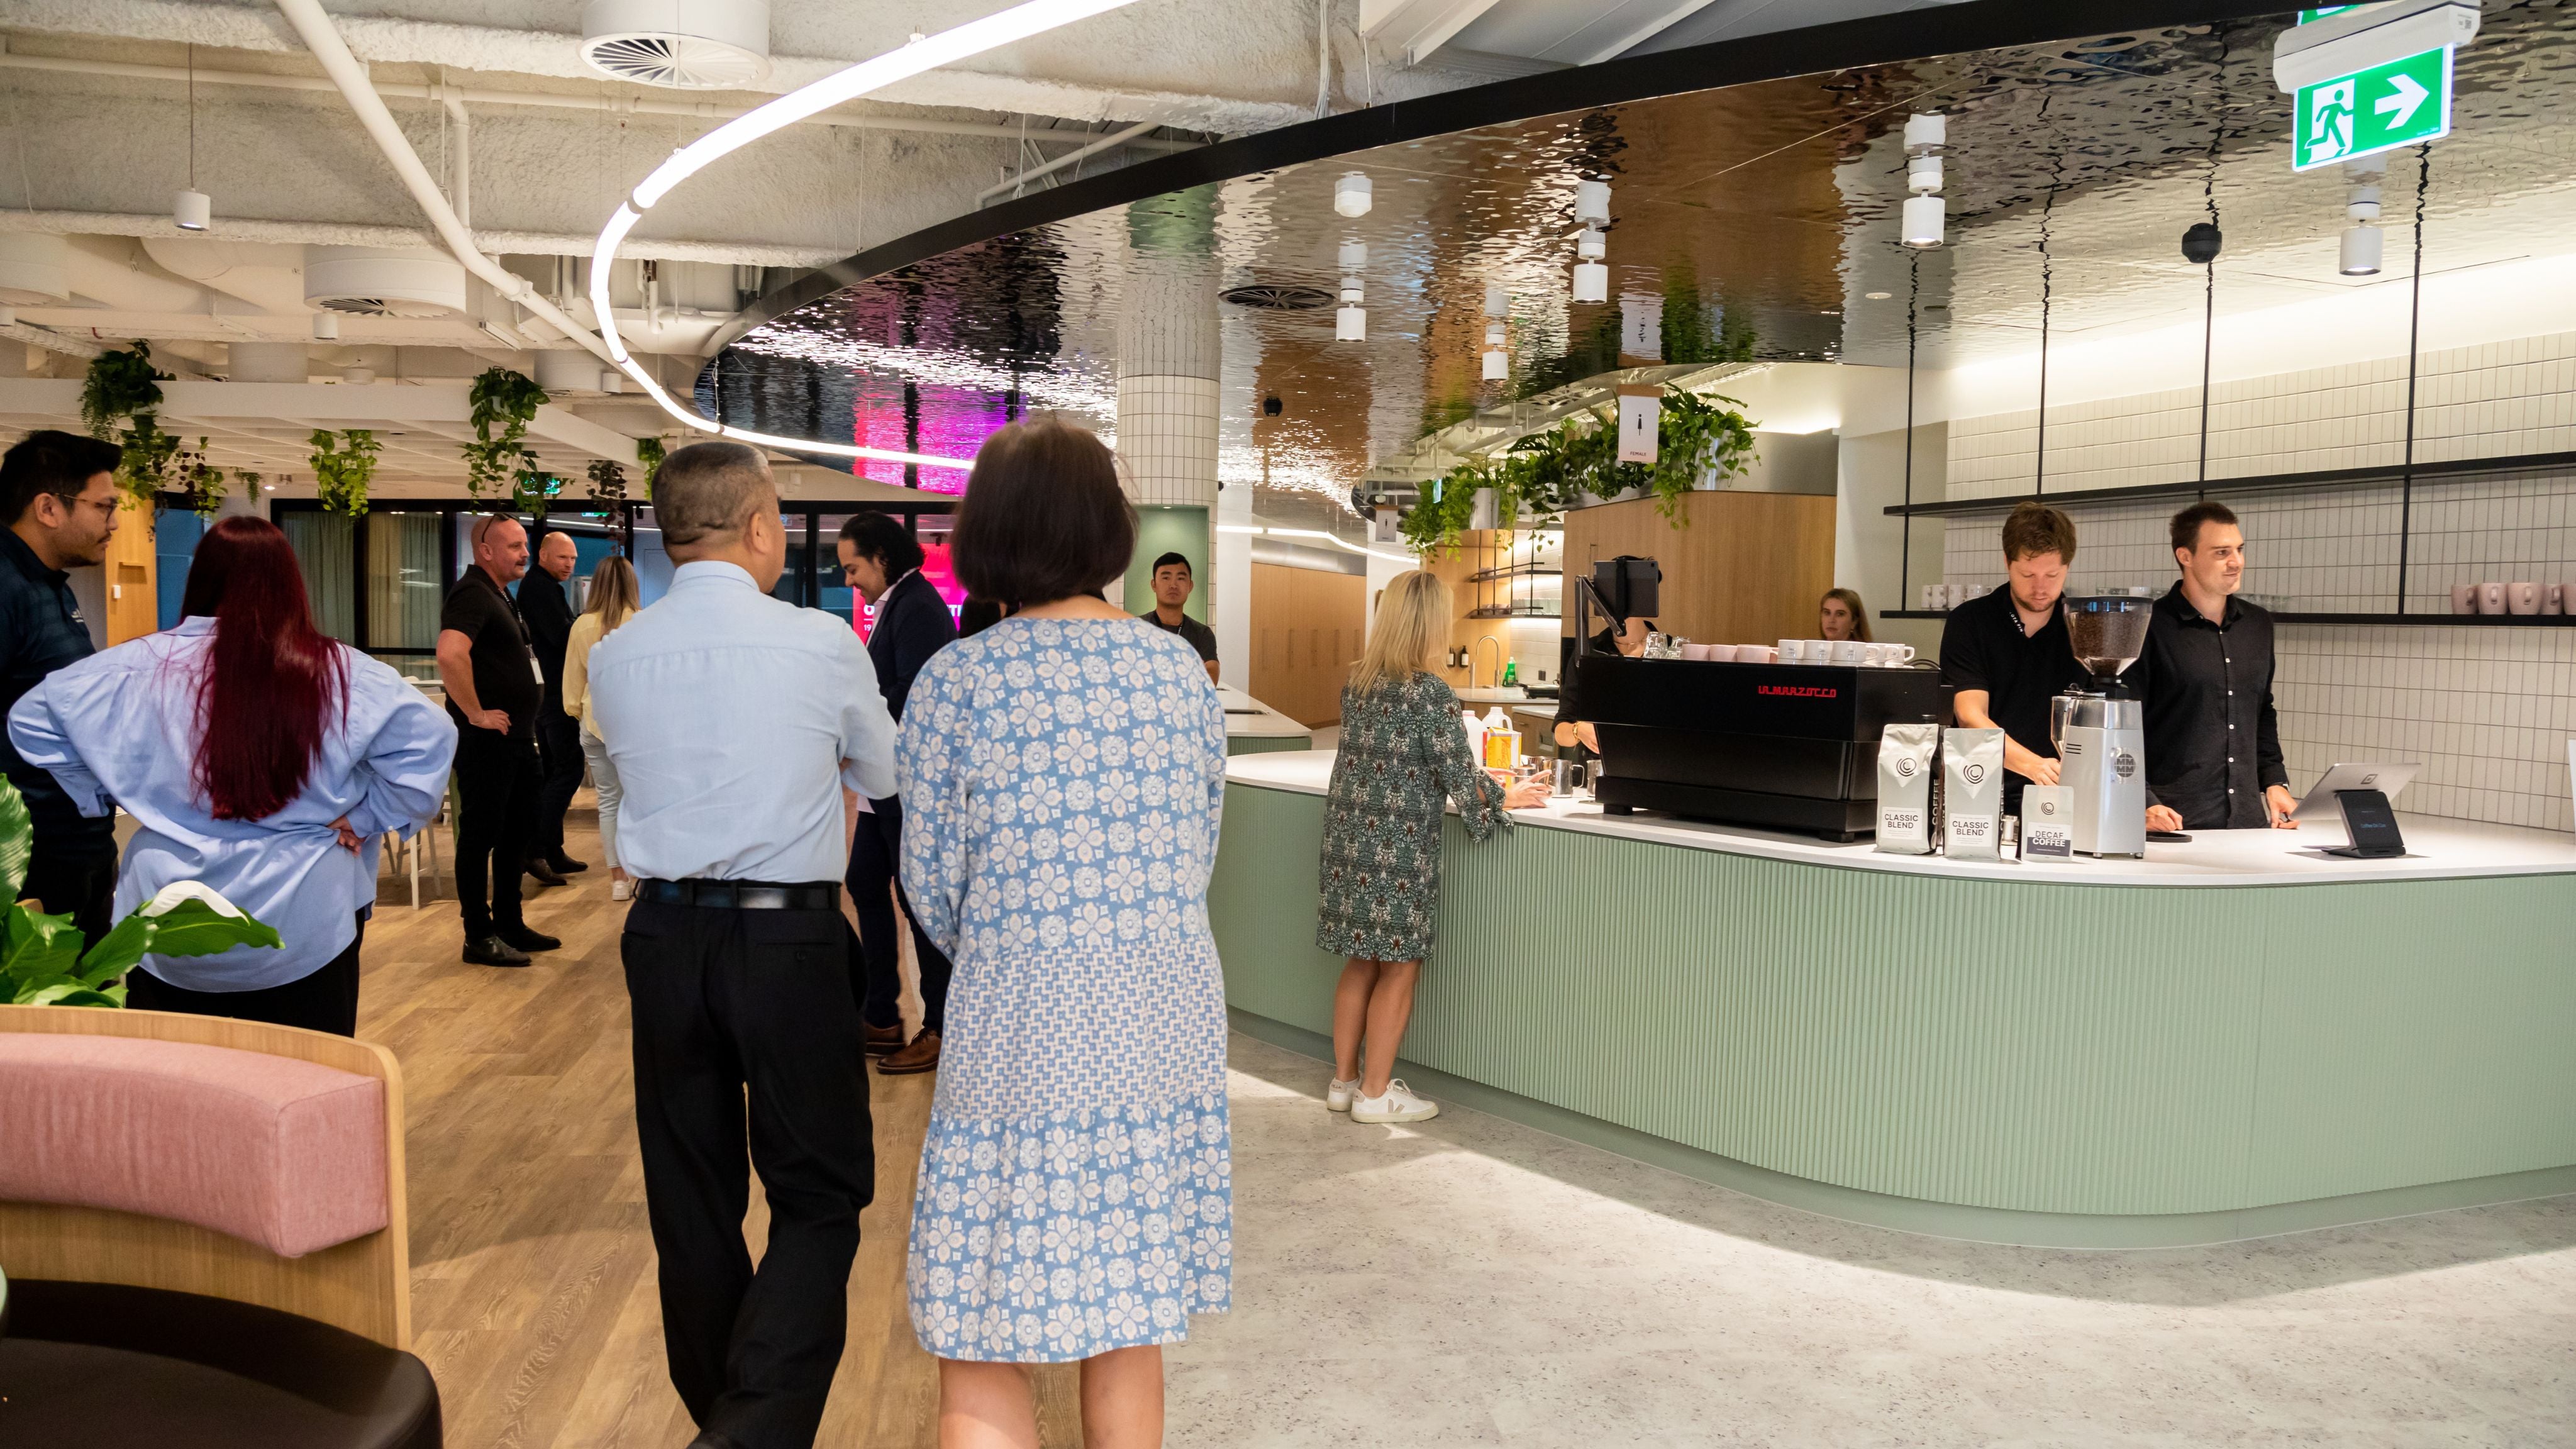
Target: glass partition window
404	591
326	552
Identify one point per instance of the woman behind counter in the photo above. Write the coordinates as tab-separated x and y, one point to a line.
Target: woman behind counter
1403	749
1841	615
259	758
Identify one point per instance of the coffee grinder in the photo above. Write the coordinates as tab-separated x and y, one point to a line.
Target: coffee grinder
2100	733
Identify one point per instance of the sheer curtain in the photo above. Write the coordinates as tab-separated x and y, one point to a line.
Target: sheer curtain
404	591
326	550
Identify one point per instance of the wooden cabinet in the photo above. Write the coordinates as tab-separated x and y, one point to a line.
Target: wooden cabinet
1307	628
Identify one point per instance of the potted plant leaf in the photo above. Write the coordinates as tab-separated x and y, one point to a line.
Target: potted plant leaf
42	960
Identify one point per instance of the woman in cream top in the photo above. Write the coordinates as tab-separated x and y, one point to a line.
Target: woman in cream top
613	599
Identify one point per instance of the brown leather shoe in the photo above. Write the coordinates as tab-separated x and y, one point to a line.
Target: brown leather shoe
921	1056
884	1041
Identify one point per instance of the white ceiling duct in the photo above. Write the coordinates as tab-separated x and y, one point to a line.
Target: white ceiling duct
689	45
34	269
384	281
266	275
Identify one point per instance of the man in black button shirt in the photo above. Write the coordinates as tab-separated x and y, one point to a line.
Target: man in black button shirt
2213	739
546	606
1172	584
2007	655
58	497
493	692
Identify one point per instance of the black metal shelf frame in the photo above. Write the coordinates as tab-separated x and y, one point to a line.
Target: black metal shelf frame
2392	476
2443	621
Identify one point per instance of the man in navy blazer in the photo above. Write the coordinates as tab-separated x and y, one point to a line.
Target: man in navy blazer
882	561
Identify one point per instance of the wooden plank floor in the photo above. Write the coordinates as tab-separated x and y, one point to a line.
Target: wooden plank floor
532	1265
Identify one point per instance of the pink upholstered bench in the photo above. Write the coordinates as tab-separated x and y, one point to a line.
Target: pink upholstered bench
287	1154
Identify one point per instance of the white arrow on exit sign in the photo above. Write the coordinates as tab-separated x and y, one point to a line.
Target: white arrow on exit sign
2403	99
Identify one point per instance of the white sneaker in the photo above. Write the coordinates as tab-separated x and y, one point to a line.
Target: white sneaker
621	890
1398	1105
1337	1097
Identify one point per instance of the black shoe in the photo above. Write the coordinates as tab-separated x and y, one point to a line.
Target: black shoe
527	940
565	864
493	951
544	873
712	1440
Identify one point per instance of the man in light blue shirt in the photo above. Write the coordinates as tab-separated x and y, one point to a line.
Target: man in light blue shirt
734	720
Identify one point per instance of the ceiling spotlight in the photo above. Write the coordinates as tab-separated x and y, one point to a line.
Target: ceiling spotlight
1351	290
1591	282
326	327
1925	132
1923	175
1924	216
1351	195
1493	334
1350	324
1878	296
193	211
1498	303
2360	256
1498	365
1354	256
1592	202
1592	246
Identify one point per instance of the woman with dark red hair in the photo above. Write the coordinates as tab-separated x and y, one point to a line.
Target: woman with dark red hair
259	758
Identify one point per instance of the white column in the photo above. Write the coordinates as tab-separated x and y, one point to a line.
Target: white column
1168	356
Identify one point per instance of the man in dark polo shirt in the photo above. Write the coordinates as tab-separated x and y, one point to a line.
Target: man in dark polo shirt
58	495
2213	739
2007	655
493	692
1172	585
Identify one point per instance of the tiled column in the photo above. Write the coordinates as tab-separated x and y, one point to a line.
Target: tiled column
1168	354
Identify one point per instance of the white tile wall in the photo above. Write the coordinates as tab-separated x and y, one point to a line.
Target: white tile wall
2487	711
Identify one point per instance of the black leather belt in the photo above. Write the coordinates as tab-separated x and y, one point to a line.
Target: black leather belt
741	895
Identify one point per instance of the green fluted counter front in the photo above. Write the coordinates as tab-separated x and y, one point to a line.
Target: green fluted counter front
2235	1037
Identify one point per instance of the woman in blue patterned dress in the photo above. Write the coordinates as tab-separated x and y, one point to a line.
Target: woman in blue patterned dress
1062	774
1403	751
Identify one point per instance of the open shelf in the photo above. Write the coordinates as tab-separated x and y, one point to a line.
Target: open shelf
1517	571
2268	483
1507	611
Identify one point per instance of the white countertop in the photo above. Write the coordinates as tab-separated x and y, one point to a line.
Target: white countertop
1247	716
2438	849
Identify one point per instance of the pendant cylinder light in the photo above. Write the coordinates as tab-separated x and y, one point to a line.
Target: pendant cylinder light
1351	195
1591	282
1592	202
193	211
1350	324
1924	219
2360	252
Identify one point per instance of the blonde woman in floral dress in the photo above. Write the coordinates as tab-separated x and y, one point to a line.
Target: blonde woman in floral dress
1403	752
1062	773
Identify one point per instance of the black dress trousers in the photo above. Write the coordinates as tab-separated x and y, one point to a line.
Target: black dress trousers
729	1003
559	747
874	856
326	1000
497	784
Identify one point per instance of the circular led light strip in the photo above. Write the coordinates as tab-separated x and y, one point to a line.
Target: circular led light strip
929	53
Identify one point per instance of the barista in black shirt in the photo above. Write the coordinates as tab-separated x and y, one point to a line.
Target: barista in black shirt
2214	757
2007	654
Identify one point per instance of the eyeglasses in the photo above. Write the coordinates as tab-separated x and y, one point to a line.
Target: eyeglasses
72	502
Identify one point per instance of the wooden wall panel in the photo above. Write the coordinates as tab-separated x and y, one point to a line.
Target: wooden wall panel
1307	628
1747	568
133	597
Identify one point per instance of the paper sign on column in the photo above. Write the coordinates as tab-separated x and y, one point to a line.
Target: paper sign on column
1641	417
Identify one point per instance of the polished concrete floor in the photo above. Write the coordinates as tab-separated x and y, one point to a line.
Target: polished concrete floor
1466	1282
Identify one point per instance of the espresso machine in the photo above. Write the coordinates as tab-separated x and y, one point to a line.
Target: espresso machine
2101	733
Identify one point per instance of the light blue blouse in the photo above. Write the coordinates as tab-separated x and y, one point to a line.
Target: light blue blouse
121	727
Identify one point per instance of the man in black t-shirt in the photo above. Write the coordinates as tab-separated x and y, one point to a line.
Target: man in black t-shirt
2007	654
1172	585
493	693
548	612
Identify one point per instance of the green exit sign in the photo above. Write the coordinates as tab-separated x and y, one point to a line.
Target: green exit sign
2379	109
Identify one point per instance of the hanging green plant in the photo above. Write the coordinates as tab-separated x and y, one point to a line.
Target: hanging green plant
1547	472
120	385
145	456
342	466
202	482
533	488
503	403
607	481
649	453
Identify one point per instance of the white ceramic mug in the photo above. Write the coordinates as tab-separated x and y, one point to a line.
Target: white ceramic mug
2491	598
2522	598
1719	653
1891	654
1792	651
1850	652
2464	598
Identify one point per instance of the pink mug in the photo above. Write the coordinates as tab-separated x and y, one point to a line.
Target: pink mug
2464	598
1756	654
1695	651
2522	598
1720	653
2490	598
